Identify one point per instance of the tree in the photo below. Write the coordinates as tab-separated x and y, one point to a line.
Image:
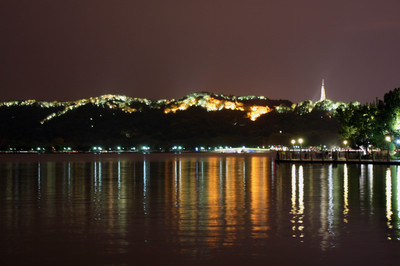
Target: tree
391	113
304	107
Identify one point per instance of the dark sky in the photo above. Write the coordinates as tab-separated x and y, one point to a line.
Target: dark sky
67	50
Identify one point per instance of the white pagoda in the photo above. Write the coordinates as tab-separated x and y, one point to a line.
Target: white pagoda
323	95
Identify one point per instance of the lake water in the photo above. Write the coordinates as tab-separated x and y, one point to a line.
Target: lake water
191	209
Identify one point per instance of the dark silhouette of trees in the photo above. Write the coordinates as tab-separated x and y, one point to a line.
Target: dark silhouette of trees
110	125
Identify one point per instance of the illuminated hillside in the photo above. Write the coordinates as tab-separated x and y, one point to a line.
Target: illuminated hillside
121	102
252	106
215	102
196	120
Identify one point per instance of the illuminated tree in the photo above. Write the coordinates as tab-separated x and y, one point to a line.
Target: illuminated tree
391	117
304	107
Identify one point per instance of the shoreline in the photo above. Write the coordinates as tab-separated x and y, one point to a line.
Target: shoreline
332	161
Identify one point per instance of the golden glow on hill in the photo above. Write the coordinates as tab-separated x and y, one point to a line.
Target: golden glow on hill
210	102
257	111
213	104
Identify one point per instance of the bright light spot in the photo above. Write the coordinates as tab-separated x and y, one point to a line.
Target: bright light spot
213	104
397	123
257	111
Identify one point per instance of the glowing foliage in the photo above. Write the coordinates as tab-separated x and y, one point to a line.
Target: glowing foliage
213	104
111	101
210	102
207	102
256	111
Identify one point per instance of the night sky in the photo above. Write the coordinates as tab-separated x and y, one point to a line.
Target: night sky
67	50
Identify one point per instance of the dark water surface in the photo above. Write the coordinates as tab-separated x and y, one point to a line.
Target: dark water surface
195	209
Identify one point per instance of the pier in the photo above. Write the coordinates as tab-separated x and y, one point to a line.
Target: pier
337	157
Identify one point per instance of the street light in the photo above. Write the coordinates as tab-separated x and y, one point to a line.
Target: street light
347	148
300	142
293	142
388	139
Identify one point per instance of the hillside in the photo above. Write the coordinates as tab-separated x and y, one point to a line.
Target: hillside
198	119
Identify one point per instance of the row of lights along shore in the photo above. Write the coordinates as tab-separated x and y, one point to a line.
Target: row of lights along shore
388	139
177	148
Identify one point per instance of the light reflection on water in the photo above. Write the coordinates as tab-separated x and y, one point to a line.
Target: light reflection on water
179	208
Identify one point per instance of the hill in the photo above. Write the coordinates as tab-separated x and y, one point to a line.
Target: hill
198	119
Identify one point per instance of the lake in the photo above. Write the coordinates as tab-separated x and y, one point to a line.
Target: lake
192	209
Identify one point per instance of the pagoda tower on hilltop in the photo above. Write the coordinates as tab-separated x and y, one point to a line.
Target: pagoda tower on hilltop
323	95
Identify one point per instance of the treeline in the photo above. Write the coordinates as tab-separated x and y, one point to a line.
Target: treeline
91	125
372	125
320	124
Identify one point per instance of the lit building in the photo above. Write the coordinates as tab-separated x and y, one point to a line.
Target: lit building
323	95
